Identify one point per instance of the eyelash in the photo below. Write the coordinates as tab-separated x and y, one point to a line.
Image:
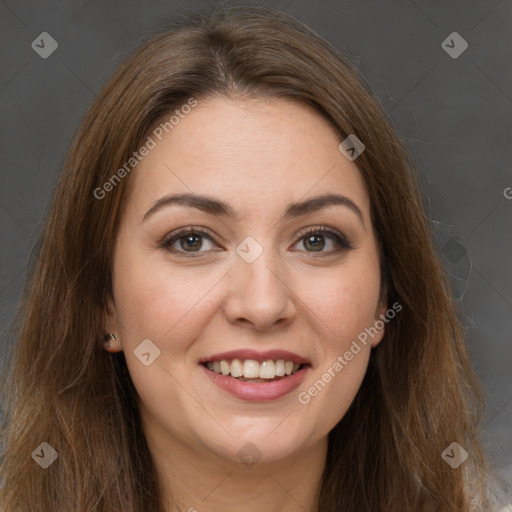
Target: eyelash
342	242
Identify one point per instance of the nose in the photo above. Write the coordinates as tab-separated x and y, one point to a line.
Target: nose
259	294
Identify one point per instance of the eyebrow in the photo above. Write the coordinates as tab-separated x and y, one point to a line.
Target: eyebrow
214	206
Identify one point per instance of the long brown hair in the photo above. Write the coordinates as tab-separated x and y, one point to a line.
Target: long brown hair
420	392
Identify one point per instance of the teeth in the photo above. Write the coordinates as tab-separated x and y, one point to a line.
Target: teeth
267	370
280	368
224	367
236	368
251	369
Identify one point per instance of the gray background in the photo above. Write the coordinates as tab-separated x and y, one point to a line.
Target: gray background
455	114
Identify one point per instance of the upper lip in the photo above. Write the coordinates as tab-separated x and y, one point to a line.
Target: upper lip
256	355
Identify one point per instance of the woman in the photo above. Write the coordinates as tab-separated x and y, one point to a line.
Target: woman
237	301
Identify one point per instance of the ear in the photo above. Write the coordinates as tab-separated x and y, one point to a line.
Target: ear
380	322
112	341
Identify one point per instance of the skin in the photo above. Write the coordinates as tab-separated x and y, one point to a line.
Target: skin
258	156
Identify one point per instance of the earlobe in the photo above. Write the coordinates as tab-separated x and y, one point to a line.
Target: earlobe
380	323
380	312
111	343
378	338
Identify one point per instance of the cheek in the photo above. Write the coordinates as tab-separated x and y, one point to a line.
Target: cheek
344	311
156	302
170	308
344	303
327	397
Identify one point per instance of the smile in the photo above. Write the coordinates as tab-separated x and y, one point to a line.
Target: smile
250	370
256	376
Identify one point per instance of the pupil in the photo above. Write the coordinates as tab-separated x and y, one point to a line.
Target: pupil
313	241
193	242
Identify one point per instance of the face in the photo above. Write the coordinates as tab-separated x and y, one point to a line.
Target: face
248	273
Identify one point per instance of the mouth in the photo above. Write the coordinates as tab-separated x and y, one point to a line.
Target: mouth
256	376
251	370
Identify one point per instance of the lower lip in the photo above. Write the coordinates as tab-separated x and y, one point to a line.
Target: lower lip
257	391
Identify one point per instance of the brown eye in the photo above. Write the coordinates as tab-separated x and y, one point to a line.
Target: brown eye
187	240
315	242
193	242
318	239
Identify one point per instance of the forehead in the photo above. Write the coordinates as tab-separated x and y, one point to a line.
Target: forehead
253	154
